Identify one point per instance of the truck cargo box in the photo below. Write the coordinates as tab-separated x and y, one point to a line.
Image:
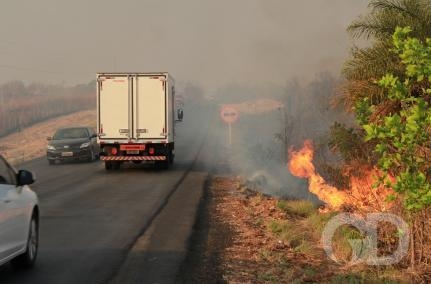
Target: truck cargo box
136	116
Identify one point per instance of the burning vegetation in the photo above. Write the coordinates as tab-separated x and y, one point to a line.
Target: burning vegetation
248	237
361	193
301	165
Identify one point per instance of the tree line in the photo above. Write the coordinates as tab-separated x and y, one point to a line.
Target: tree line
22	105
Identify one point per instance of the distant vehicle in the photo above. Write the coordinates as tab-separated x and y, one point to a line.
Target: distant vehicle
73	143
136	118
19	217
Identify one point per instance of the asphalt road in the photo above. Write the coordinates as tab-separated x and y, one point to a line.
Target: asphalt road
92	219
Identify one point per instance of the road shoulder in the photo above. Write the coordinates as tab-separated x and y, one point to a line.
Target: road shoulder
158	254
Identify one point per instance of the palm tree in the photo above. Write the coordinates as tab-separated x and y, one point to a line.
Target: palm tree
367	65
386	15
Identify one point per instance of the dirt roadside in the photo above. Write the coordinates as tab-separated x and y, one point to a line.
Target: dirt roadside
245	237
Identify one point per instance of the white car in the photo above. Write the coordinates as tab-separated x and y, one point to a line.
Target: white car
19	217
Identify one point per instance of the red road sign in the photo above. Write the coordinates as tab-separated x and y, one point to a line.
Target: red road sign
229	114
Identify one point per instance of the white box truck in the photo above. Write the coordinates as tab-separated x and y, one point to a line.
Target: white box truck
136	118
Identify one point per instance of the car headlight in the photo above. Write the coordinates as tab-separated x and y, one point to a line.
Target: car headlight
50	147
85	145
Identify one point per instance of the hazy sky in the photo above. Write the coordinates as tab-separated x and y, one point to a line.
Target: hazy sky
209	42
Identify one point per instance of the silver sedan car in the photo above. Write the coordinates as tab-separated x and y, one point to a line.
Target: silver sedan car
19	217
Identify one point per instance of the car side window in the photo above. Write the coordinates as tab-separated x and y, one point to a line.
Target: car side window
7	175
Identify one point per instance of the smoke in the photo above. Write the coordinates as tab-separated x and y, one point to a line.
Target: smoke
271	120
228	52
215	43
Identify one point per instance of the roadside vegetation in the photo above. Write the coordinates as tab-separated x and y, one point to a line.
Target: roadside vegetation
22	105
248	237
388	89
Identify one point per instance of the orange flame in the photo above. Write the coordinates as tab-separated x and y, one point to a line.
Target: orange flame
301	165
361	194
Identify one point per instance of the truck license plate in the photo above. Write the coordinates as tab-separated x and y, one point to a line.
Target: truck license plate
67	154
133	152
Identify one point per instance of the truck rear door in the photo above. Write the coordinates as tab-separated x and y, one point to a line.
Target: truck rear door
149	107
114	106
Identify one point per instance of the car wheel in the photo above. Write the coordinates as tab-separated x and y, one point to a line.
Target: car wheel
92	157
27	259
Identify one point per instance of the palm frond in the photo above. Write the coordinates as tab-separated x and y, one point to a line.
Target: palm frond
372	63
355	90
400	6
386	15
367	27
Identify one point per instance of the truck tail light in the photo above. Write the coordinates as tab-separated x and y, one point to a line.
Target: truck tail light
151	151
114	151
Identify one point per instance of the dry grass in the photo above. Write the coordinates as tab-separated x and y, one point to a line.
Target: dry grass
301	208
279	242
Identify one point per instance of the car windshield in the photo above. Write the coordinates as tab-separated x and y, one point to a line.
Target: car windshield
70	133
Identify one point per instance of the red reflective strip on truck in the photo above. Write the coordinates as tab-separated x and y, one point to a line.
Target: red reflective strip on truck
133	158
132	147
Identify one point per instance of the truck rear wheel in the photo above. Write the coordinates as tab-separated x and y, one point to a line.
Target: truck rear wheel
116	165
108	166
171	158
165	164
162	165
